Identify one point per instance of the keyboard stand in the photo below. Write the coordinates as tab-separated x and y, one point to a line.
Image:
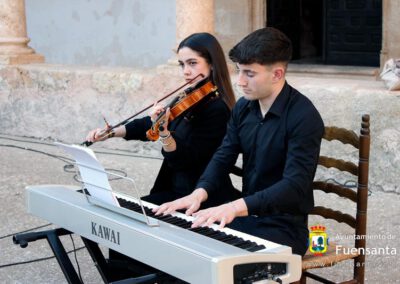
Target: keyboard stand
103	266
57	247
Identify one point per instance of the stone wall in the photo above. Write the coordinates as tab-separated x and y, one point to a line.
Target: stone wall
125	33
342	102
63	103
143	33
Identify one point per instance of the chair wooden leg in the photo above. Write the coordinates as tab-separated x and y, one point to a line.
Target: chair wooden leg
303	280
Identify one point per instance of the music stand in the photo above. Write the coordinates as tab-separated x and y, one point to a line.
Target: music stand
96	186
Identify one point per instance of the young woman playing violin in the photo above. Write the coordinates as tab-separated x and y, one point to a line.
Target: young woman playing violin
189	140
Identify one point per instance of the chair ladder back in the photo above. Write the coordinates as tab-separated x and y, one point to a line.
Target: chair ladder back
344	136
336	215
358	196
341	134
362	197
337	189
329	162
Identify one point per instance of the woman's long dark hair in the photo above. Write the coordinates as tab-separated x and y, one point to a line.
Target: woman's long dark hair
208	47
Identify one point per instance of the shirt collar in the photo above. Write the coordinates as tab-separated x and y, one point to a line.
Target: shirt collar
279	105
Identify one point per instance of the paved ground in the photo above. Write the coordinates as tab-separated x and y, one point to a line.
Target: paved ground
26	161
29	162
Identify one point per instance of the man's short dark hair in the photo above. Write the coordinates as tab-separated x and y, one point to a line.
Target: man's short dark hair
264	46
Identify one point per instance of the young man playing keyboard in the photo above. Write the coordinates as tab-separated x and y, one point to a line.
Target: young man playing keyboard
278	130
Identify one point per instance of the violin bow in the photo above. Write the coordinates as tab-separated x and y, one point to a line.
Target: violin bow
109	128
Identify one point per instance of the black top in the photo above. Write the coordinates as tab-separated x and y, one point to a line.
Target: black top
198	132
280	154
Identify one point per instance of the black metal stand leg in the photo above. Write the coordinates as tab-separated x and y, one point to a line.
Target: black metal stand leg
62	258
98	259
58	249
102	265
104	268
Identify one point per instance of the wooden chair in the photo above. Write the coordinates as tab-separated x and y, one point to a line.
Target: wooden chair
359	196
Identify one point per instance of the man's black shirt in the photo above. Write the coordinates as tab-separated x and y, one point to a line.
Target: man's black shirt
280	154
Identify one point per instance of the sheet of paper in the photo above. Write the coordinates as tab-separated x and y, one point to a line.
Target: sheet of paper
93	175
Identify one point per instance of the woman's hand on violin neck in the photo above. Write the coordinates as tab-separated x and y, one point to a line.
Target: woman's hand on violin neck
156	111
163	128
162	122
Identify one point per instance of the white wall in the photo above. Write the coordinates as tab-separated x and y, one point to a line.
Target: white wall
131	33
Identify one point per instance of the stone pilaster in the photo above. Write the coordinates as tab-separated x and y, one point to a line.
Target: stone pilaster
14	47
390	30
258	16
193	16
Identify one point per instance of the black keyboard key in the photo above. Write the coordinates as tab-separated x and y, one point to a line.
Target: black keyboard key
228	238
256	248
180	222
236	241
199	230
165	218
206	231
245	245
221	236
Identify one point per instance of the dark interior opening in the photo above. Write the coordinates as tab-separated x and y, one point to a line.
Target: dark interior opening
337	32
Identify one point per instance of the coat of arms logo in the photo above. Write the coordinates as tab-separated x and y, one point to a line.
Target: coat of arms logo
318	240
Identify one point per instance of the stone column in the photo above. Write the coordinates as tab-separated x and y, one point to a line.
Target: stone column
14	47
193	16
258	15
390	30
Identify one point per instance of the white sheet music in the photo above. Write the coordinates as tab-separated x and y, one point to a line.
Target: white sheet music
93	175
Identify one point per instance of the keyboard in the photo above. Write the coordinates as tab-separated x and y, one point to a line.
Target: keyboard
195	255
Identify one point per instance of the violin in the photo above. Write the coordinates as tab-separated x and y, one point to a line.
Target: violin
181	103
184	101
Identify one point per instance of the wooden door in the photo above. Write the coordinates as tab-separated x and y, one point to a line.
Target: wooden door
353	32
